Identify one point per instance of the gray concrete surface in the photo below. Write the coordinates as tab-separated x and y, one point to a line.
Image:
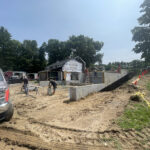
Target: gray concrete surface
44	83
79	92
96	77
110	77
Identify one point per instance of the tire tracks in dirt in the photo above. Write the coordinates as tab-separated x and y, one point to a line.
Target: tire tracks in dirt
22	139
33	142
32	121
125	139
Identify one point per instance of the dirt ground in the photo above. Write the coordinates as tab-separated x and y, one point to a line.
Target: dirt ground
53	122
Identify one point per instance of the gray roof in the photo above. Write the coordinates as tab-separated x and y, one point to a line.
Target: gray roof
56	65
59	64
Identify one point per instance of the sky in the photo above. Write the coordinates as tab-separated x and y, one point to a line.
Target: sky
110	21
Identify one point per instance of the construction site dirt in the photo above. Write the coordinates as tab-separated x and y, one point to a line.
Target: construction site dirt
42	122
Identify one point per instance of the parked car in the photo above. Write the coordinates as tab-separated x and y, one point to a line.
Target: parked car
6	107
14	79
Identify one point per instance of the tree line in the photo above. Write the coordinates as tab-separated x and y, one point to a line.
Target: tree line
27	56
135	65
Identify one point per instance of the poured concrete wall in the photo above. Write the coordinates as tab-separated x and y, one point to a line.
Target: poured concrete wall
44	83
79	92
113	77
96	77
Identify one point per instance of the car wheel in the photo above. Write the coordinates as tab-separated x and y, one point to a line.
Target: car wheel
9	113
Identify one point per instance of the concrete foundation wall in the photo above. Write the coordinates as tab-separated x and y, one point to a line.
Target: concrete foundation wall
79	92
44	83
113	77
96	77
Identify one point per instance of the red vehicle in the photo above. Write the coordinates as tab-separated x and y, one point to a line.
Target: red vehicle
8	75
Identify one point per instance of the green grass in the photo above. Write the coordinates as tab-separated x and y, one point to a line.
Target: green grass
136	117
117	145
148	86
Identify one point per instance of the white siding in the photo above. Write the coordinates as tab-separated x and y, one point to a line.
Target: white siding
72	66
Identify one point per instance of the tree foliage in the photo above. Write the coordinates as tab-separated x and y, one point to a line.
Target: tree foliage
42	60
27	56
135	66
85	47
56	50
15	55
141	34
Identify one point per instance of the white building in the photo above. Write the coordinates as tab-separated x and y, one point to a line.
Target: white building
66	70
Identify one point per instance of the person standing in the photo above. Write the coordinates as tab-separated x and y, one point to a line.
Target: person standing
52	83
25	81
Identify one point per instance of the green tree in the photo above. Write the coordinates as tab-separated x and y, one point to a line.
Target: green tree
86	48
108	66
57	51
98	58
14	60
30	60
26	56
42	60
8	50
141	34
4	41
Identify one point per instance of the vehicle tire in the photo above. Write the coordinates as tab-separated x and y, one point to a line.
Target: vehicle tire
9	113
